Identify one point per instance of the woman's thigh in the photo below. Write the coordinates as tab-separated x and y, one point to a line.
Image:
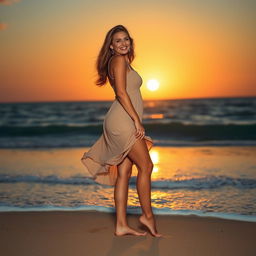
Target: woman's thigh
125	167
139	154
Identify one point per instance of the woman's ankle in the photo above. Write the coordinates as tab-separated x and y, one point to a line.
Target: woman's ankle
121	224
148	215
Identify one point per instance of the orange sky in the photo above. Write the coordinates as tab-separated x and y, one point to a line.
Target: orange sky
193	48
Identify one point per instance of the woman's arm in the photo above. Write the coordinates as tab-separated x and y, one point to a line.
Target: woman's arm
119	70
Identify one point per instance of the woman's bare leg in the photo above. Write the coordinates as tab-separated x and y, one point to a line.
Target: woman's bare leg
140	156
121	196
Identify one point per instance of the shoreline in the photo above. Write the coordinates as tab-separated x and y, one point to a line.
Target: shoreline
92	233
133	212
205	181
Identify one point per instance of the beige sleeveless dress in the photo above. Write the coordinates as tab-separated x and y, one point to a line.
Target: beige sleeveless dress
118	136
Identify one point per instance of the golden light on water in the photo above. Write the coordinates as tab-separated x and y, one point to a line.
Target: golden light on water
154	156
157	116
155	169
155	159
152	84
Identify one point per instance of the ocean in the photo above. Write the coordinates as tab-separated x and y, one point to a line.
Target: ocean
204	157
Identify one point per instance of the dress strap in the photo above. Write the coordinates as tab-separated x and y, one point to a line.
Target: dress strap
130	67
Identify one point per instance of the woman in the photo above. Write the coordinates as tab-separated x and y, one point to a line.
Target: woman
123	142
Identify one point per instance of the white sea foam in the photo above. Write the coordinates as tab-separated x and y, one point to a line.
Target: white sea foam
132	210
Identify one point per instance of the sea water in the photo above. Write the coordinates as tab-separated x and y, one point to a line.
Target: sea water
203	154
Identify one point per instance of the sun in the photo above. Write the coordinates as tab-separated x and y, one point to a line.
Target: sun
152	84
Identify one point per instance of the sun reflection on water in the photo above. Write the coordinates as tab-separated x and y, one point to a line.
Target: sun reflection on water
155	159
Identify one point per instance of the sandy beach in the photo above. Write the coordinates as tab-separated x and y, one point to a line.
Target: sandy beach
91	233
63	122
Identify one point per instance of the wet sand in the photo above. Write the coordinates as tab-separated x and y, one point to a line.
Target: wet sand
92	233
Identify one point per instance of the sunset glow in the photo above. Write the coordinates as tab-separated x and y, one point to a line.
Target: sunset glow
155	159
152	84
189	50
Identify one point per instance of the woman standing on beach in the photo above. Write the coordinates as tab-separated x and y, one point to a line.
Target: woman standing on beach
123	142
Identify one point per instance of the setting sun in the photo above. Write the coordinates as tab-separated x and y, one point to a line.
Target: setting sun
152	84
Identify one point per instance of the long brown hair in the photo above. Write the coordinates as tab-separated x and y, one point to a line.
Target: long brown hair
105	54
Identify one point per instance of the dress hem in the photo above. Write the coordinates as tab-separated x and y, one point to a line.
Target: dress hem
106	173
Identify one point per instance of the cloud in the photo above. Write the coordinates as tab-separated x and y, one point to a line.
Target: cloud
8	2
3	26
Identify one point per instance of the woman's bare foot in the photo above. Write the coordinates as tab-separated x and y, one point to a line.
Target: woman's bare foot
150	224
121	231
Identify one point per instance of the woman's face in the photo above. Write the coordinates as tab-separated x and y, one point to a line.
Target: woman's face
121	43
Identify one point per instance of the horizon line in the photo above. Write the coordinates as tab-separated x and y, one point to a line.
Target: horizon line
94	100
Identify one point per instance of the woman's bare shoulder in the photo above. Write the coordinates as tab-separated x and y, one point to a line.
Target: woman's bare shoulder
117	63
118	60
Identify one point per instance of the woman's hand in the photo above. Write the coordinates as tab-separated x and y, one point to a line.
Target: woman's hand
140	131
